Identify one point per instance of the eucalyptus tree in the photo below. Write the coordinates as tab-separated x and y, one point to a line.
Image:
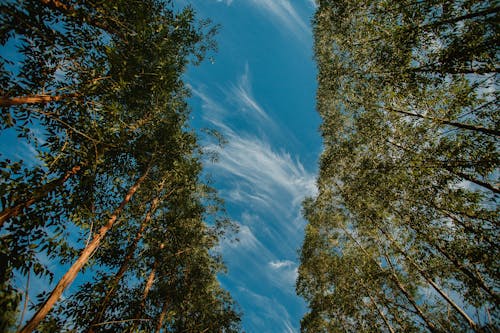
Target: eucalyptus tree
141	272
408	179
103	82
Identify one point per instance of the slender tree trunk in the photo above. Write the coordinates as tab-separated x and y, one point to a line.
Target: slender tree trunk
475	276
128	257
374	303
38	194
57	4
469	127
71	274
125	263
161	317
429	279
149	284
400	286
485	12
32	99
396	280
471	274
476	181
145	293
481	129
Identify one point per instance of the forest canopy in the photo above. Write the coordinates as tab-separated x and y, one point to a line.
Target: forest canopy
403	235
116	191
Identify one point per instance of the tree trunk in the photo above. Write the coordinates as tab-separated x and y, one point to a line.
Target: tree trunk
382	315
71	274
481	129
17	209
429	279
457	19
32	99
469	127
124	266
128	257
161	317
145	293
400	286
476	181
471	274
149	284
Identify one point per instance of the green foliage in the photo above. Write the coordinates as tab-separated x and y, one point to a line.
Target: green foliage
102	82
402	235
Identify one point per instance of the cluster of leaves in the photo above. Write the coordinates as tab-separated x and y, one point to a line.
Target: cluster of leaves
96	88
403	234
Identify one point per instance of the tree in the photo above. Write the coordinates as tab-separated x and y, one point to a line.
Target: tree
408	184
103	81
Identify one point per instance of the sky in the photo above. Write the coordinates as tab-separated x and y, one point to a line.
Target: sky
259	92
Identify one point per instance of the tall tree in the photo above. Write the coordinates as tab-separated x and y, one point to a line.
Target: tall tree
403	231
103	83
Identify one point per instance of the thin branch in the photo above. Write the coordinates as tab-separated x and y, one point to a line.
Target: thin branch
120	321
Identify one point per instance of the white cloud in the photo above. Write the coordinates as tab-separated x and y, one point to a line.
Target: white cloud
313	3
284	273
284	14
277	264
267	184
247	238
268	176
227	2
268	309
244	96
258	173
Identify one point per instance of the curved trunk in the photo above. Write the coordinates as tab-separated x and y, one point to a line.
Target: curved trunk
145	293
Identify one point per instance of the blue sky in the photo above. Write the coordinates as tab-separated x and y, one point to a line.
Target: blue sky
259	93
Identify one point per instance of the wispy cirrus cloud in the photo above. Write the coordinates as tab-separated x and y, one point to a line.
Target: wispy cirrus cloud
269	310
264	184
284	271
227	2
312	3
243	95
285	15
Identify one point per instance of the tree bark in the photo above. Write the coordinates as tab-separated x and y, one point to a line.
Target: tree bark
161	317
382	315
71	274
476	181
485	12
395	278
17	209
32	99
471	274
128	257
145	293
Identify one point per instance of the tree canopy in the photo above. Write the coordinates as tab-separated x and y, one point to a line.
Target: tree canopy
403	235
116	189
